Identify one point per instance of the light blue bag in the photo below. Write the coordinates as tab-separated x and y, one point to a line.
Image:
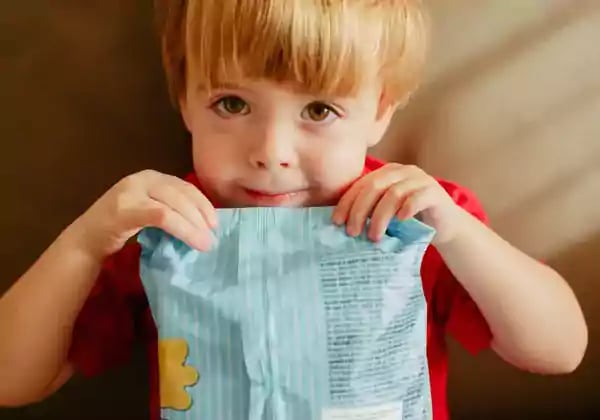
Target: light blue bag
288	318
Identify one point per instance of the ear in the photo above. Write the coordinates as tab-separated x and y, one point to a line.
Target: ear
385	112
185	112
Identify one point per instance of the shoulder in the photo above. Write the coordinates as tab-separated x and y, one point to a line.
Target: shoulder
461	195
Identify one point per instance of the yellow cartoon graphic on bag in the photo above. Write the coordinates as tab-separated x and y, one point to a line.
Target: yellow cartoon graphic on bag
174	374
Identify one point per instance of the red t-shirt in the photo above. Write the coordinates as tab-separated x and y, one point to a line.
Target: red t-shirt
117	313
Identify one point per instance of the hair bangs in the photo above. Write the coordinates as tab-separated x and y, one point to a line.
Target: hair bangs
324	47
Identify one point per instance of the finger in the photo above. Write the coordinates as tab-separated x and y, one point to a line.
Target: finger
152	179
361	209
390	203
379	179
340	213
421	200
199	200
159	215
179	202
399	177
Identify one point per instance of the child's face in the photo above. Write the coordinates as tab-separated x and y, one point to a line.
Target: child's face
259	143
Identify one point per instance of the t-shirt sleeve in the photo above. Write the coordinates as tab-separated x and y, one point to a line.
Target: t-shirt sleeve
104	331
463	319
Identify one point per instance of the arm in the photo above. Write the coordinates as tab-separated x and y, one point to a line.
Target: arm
38	313
534	317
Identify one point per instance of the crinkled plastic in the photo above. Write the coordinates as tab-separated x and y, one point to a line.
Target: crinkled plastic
288	318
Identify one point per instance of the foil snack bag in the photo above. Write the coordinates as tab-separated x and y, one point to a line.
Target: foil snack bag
288	318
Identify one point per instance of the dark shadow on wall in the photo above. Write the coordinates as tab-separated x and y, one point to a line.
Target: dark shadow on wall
83	104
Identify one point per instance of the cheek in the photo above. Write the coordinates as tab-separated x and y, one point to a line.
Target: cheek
208	161
214	150
334	164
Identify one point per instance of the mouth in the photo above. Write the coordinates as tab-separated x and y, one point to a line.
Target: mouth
275	198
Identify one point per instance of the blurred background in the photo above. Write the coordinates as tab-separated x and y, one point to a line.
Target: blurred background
510	108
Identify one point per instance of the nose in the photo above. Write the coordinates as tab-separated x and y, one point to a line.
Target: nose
273	148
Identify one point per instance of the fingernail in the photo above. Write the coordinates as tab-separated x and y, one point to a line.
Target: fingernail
214	239
206	242
336	219
203	246
374	236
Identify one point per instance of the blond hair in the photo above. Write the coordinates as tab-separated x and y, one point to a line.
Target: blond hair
321	46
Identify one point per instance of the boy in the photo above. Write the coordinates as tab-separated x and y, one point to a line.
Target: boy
283	98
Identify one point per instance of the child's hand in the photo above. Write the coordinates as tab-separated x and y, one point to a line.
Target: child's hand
398	191
147	198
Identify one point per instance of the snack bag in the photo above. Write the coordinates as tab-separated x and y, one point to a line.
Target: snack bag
288	318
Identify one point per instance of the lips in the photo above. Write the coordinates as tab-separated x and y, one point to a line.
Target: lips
266	193
262	197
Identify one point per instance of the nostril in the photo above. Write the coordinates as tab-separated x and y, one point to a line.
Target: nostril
262	164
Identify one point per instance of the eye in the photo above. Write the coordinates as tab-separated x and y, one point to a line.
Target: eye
231	105
319	112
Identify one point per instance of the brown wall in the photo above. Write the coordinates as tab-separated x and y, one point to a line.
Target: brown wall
511	108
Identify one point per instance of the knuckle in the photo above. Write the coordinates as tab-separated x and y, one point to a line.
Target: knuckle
396	191
379	184
136	179
126	183
122	202
166	194
147	173
414	201
413	170
191	189
165	188
158	215
394	166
